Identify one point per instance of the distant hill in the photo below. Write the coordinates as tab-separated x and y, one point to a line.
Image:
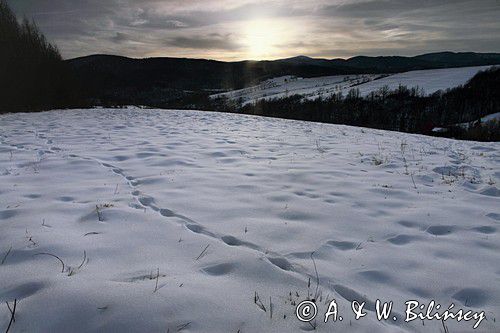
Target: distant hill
157	81
394	64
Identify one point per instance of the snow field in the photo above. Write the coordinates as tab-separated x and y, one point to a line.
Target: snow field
175	220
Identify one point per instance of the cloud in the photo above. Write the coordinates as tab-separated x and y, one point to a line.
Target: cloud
120	37
212	42
216	28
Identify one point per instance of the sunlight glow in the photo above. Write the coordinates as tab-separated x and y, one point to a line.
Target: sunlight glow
264	38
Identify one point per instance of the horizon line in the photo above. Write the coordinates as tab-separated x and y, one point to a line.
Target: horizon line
277	59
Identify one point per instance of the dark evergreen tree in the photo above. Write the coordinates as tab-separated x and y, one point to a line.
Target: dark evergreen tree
33	75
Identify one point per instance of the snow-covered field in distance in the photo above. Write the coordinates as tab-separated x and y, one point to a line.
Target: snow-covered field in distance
286	86
312	88
491	118
172	221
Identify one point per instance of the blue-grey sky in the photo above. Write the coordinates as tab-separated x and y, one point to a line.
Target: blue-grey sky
265	29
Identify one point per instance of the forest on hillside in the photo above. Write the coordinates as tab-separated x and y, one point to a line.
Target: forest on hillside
33	75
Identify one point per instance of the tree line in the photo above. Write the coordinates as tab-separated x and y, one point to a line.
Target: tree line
33	75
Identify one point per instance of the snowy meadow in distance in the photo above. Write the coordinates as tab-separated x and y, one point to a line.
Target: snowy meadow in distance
430	81
188	221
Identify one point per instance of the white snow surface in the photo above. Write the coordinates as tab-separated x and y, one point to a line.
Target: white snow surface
491	117
224	206
429	81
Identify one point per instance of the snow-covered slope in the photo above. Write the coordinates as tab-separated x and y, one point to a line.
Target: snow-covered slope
428	80
489	119
286	86
172	221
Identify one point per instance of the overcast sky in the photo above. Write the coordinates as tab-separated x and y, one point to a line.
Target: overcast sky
255	29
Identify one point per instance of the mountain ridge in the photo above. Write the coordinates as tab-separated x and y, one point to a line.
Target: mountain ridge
118	79
302	56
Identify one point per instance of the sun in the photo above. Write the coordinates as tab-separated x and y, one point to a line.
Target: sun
262	38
